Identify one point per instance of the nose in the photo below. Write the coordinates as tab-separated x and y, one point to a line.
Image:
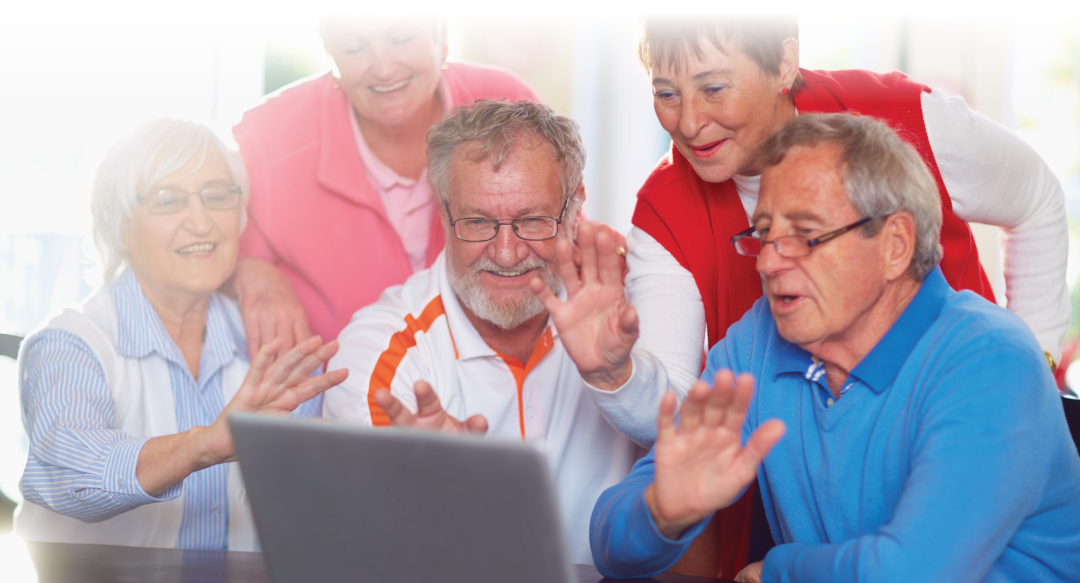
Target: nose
691	116
770	262
197	217
508	249
383	64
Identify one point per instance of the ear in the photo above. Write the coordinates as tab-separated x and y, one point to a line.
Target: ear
789	62
899	244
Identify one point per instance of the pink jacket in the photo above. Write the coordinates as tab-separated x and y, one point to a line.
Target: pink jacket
313	211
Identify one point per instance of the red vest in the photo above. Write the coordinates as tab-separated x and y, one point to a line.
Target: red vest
695	220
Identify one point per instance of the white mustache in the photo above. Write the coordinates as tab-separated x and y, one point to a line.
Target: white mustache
486	264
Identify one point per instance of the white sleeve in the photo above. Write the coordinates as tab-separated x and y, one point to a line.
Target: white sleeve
667	356
669	307
994	178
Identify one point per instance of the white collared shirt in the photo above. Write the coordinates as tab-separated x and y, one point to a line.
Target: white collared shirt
418	331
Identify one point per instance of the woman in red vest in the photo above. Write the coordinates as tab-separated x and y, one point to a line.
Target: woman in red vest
721	87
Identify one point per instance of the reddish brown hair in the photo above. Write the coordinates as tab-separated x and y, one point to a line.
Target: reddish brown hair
670	38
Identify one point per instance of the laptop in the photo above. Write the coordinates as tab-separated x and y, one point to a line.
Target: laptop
336	503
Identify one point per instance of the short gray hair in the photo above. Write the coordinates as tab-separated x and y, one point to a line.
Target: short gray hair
881	173
495	129
437	21
154	150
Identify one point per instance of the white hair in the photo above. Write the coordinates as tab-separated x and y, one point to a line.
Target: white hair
437	21
154	150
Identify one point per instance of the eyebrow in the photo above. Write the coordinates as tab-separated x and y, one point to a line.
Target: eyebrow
697	77
793	216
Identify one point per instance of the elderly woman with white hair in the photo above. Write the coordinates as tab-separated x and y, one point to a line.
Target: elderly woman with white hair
126	397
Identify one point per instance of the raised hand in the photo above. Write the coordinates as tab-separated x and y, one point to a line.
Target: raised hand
276	386
596	325
268	305
701	465
429	415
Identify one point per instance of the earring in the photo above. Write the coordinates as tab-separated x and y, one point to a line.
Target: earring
784	91
444	66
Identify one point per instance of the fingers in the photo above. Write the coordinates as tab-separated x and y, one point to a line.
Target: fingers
693	406
586	241
286	366
310	388
312	361
254	339
665	421
610	270
567	269
301	328
264	357
476	424
744	390
758	446
548	299
397	412
427	402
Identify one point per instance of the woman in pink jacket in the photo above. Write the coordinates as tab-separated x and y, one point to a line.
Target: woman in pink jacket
340	207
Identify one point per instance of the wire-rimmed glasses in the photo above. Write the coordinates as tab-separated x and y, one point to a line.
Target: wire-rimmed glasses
478	230
749	244
164	201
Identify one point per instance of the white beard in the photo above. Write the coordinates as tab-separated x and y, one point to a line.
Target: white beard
506	314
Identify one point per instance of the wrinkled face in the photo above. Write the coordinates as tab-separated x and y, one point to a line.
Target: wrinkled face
718	109
389	68
192	251
491	278
825	296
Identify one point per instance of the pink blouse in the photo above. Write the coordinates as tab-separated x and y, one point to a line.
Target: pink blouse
315	212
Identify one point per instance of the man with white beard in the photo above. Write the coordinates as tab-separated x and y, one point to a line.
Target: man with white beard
466	345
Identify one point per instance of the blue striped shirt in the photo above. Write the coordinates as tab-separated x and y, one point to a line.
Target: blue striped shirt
79	464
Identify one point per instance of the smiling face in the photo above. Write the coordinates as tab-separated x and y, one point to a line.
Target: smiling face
491	278
190	252
718	108
831	296
389	68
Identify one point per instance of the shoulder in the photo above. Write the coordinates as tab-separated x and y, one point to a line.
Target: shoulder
396	309
859	79
287	114
469	82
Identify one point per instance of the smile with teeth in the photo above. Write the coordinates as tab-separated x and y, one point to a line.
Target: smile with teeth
197	249
389	88
509	273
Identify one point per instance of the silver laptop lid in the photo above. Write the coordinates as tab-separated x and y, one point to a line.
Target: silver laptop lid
344	503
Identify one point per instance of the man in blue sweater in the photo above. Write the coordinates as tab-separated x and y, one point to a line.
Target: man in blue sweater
915	432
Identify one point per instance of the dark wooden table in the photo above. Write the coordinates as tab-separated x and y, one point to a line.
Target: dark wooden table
68	563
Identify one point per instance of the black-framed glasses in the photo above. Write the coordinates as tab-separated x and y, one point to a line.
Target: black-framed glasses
170	200
477	230
749	244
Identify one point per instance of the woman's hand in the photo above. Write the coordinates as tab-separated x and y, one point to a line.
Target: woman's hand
750	573
701	465
268	305
274	387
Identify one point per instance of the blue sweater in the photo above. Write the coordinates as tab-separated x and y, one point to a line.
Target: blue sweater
948	459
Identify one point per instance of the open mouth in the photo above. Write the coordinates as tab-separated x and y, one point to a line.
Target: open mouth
391	87
707	150
197	249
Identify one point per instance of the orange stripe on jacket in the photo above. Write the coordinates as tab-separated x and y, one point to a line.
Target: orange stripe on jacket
540	350
400	343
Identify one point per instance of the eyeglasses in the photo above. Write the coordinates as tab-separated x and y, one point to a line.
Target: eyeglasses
749	243
171	200
477	230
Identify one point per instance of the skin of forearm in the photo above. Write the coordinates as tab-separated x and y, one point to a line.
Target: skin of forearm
165	461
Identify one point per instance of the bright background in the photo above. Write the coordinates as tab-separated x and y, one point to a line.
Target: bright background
71	83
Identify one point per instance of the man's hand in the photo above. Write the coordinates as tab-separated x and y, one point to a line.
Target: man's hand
750	573
275	387
596	324
268	305
430	414
701	465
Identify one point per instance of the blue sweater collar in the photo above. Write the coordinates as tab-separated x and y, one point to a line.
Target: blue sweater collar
878	369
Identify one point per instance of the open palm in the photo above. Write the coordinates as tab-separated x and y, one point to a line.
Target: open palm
596	325
701	464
